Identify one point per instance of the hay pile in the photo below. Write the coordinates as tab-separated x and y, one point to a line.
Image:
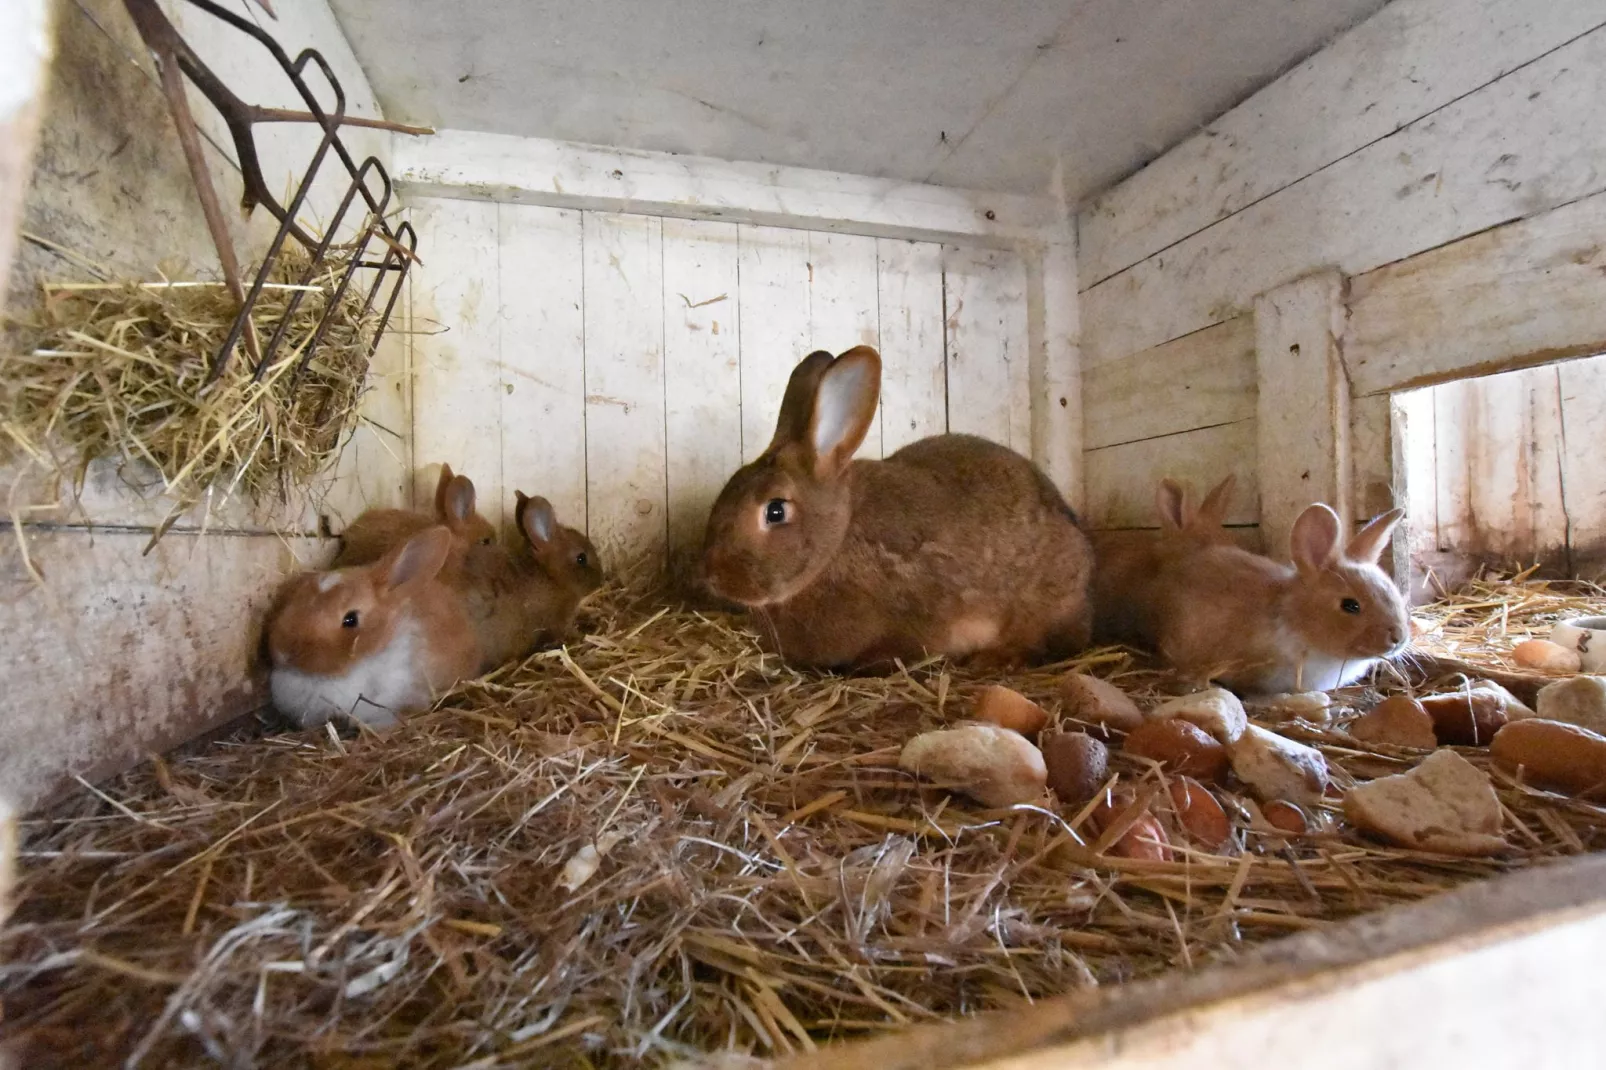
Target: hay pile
119	370
656	843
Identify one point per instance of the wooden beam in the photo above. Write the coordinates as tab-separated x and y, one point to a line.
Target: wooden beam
461	163
26	46
1378	990
1407	61
1058	408
1303	403
1199	380
1527	293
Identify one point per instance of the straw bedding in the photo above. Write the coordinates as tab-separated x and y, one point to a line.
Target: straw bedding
655	843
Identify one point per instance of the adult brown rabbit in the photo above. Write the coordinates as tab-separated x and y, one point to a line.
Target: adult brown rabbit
378	531
1215	611
953	545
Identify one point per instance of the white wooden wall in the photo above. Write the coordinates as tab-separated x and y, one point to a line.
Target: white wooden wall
1424	127
625	365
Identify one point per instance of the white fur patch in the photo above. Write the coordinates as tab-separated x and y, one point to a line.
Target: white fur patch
374	691
1310	670
970	634
327	581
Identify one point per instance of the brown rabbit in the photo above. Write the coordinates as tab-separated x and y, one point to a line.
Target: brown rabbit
372	642
1129	567
953	545
377	531
519	600
1215	611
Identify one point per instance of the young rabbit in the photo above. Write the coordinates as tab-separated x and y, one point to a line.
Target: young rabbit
1126	577
1215	611
516	601
373	642
378	531
953	545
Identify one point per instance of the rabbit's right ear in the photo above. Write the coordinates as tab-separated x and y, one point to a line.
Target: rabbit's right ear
1170	504
844	408
420	558
455	501
1213	513
536	519
1313	543
797	405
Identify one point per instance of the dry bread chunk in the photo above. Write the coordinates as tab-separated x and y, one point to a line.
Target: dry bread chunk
1445	804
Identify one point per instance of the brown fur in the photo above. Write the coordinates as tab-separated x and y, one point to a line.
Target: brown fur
377	531
953	545
307	632
518	600
1215	611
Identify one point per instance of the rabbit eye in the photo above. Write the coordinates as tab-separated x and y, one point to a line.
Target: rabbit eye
486	541
777	511
349	620
580	559
1350	605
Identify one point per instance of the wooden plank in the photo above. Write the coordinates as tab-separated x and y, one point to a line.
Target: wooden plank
1121	479
1452	411
1517	147
121	653
844	304
1468	308
457	415
1413	475
989	351
542	371
1411	58
774	313
1057	400
1333	995
624	332
914	389
561	174
1198	380
702	376
1302	403
26	30
1583	474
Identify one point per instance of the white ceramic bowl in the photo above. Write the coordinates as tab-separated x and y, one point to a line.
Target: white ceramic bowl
1587	635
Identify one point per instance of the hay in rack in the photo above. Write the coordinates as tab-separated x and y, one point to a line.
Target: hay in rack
118	370
655	843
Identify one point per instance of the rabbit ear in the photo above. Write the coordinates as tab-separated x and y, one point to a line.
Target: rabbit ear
441	488
420	558
1213	513
455	501
844	408
1170	504
797	405
1314	541
537	520
1369	541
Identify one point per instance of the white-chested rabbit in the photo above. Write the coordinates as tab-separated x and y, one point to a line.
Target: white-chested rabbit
953	545
373	642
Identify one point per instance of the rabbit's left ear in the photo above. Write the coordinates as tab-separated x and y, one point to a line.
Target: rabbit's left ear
844	408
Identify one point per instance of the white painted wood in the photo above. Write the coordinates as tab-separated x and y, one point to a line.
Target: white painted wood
1057	399
1470	307
457	418
774	314
624	331
122	653
25	34
844	304
1583	474
1524	144
1412	57
702	375
989	350
1121	479
1420	470
914	388
1302	407
463	163
1198	380
541	358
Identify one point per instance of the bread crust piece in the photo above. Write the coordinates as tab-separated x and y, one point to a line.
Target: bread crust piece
1446	804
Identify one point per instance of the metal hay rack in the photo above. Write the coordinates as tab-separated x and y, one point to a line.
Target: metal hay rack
394	247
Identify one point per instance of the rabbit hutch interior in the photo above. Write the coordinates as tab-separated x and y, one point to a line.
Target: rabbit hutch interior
837	535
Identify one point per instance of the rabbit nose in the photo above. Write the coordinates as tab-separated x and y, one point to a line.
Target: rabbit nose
1396	635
